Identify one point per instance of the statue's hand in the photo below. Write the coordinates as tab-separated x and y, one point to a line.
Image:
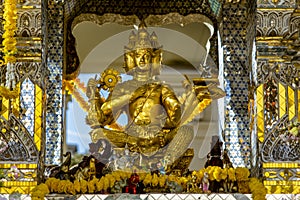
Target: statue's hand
187	84
93	118
91	87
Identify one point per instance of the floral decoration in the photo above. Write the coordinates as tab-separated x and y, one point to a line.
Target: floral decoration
70	86
39	191
9	44
10	26
257	189
14	173
151	181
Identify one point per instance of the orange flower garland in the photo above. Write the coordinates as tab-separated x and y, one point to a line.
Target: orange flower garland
95	185
10	26
70	87
9	42
80	85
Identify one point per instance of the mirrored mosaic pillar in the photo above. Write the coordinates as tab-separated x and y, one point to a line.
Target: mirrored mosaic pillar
53	60
237	39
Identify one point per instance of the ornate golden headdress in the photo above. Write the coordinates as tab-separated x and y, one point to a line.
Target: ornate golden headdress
143	40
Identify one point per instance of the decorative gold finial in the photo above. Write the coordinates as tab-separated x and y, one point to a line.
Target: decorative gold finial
131	43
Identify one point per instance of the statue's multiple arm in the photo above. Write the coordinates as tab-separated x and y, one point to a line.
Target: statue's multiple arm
172	106
115	103
101	110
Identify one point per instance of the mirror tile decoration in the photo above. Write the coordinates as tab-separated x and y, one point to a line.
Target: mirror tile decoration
278	111
237	41
53	14
27	98
278	93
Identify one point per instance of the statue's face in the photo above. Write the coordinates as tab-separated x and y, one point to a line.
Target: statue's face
129	61
143	59
156	61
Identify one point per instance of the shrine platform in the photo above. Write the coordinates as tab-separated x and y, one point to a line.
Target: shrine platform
213	196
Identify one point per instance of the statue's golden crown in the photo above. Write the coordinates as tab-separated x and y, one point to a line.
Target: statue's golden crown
142	39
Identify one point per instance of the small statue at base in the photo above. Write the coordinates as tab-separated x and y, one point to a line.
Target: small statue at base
214	156
63	172
160	168
192	185
132	183
205	183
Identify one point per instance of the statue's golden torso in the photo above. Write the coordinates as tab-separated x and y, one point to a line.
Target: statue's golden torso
152	105
148	105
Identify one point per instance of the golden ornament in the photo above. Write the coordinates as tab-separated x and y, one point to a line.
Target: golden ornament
109	78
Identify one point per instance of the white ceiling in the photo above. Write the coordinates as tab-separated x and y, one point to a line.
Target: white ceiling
184	48
101	46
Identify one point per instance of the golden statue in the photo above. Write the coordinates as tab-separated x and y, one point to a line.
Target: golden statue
157	119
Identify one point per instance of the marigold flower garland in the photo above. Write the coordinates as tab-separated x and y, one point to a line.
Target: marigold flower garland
10	27
9	47
80	85
96	185
257	189
70	86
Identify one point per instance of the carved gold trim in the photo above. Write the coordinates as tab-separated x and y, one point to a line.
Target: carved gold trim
275	38
282	100
8	94
273	9
158	20
271	41
28	7
299	105
291	103
272	59
260	113
281	165
151	20
38	117
22	187
19	166
281	183
29	59
269	57
106	18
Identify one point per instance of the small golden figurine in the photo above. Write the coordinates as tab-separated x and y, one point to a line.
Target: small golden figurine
156	118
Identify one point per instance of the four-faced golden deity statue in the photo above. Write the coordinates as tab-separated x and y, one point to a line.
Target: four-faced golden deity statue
156	126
